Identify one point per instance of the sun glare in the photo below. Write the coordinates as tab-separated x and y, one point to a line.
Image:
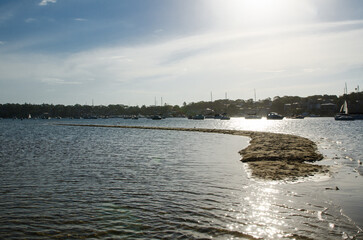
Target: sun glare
257	13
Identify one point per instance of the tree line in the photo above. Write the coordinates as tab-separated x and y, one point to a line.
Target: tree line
324	105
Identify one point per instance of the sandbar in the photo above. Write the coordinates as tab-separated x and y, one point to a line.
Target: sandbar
269	156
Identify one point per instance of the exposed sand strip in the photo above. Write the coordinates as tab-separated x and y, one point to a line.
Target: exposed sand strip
270	156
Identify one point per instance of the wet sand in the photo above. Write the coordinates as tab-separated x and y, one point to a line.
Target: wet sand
270	156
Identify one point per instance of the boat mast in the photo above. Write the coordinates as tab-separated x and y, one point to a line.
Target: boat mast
344	108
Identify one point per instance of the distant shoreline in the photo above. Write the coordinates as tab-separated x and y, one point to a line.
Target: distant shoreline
270	156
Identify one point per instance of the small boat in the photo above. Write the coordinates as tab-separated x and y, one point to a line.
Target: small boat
274	116
253	113
156	117
218	116
198	117
343	114
224	117
343	117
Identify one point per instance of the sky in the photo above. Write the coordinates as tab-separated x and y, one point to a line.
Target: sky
135	51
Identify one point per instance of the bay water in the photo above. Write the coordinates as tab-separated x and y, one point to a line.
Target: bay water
62	182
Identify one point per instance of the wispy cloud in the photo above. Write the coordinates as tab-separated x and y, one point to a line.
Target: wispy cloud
30	20
217	56
2	43
216	60
5	16
45	2
158	31
58	81
80	19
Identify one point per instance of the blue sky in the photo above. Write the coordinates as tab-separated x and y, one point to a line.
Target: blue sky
131	51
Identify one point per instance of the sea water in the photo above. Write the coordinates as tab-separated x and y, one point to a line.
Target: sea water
109	183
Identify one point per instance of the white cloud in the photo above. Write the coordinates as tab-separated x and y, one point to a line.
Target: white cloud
30	20
2	43
274	62
58	81
80	19
45	2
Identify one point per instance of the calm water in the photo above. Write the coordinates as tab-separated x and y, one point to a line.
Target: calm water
104	183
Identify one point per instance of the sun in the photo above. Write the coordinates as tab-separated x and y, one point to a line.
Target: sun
255	13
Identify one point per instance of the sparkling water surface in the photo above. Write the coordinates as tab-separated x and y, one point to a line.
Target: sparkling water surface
61	182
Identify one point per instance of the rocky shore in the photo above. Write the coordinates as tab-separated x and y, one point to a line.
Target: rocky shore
269	156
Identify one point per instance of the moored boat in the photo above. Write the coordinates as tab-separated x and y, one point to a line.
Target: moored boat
343	117
199	117
253	114
274	116
218	116
156	117
224	117
343	114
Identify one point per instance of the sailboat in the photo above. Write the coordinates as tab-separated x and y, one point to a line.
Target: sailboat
253	114
343	114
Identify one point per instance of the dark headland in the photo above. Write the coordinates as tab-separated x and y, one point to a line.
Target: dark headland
270	156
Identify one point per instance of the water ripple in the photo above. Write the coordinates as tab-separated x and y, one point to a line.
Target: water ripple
76	183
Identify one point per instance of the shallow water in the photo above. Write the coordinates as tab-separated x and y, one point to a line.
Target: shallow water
77	182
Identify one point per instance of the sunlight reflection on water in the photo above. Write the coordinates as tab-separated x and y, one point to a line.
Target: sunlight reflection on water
266	222
263	220
251	124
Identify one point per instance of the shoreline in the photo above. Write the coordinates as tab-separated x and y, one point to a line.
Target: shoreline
270	156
